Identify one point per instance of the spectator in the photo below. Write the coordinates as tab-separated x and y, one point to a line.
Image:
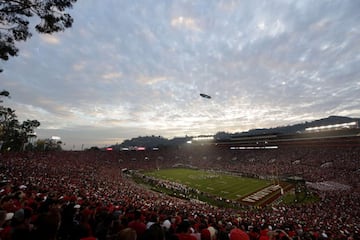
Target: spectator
183	231
137	224
127	234
237	234
154	232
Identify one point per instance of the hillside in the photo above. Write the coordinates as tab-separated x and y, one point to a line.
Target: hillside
300	127
157	141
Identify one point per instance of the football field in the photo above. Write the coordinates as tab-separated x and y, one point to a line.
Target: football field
218	184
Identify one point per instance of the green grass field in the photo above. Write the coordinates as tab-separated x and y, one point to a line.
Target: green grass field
221	185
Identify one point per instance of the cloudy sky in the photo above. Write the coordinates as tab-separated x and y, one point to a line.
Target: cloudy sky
136	68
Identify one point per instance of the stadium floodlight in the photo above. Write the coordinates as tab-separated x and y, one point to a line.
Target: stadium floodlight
333	126
56	138
253	147
203	138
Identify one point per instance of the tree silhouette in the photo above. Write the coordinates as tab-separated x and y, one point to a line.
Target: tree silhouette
15	16
13	134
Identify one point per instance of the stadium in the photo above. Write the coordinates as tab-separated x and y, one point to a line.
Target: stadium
86	77
305	185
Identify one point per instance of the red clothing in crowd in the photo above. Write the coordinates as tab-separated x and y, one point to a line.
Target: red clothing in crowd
237	234
185	236
138	226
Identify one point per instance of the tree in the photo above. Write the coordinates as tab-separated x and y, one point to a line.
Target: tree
4	93
15	16
13	134
47	145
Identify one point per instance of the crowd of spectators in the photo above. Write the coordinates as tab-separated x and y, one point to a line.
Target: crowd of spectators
85	195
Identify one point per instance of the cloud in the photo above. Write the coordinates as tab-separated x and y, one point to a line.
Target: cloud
112	75
151	80
50	39
138	68
185	22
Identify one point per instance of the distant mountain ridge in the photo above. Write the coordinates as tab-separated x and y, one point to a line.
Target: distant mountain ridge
300	127
158	141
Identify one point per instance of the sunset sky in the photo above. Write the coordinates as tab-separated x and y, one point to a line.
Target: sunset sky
136	68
